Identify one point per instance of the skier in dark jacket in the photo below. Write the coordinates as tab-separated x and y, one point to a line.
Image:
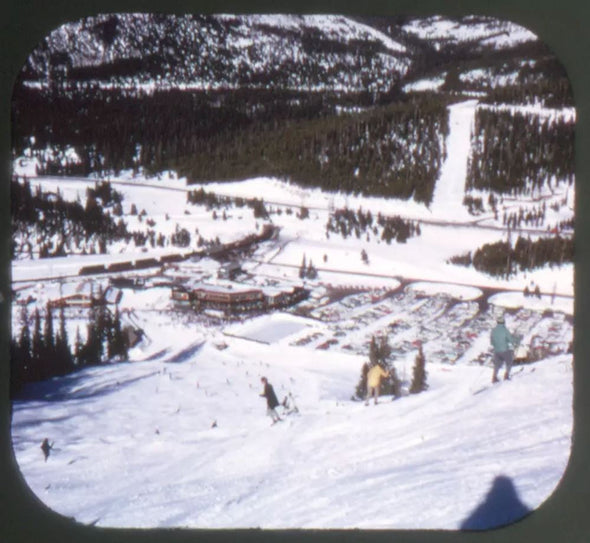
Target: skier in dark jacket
503	343
271	400
46	448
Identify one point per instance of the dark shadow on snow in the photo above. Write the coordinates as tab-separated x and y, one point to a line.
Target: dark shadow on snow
76	386
501	506
187	353
156	356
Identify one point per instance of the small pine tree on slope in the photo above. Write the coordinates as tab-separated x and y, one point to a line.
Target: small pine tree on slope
379	353
419	383
361	387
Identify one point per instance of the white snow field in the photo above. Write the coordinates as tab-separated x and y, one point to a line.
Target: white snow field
178	436
161	444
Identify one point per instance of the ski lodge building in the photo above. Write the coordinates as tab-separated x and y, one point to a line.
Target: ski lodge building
234	299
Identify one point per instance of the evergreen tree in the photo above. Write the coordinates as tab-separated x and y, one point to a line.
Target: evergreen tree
364	256
374	355
93	349
25	349
78	349
259	209
37	350
419	383
303	213
361	387
303	268
380	351
117	344
64	355
49	350
392	384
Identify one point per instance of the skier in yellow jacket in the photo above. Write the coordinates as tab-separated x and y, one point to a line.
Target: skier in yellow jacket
374	375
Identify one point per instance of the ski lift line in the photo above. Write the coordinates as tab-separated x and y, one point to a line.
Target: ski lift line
90	181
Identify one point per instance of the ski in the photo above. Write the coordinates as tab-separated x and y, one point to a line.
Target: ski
492	385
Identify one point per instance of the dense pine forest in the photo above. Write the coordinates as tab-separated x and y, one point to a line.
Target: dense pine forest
316	140
41	349
502	259
518	153
391	150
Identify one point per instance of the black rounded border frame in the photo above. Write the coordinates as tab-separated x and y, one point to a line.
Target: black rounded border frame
561	25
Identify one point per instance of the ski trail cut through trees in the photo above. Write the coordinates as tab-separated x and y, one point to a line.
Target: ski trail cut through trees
449	190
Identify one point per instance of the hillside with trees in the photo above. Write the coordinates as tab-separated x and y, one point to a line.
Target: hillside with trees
519	153
322	102
392	150
55	227
41	349
501	259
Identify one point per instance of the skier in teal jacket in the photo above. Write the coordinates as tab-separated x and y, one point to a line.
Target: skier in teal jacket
503	343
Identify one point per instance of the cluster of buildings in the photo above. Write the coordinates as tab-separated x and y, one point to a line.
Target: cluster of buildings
220	295
194	288
232	298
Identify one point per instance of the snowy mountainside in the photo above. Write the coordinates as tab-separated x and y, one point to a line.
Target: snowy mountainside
225	51
251	83
478	32
305	52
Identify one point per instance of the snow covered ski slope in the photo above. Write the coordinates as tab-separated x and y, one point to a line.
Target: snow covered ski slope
189	444
450	187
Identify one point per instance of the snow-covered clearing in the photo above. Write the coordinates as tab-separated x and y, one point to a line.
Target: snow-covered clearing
450	187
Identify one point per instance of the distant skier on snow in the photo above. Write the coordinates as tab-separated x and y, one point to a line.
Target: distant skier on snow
503	343
374	375
46	448
271	400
